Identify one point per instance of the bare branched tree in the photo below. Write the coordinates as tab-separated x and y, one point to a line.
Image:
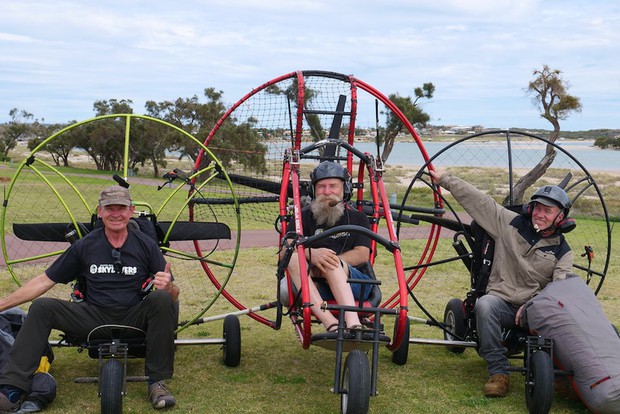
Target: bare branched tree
550	94
411	110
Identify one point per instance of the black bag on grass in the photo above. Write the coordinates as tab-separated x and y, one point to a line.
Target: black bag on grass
43	389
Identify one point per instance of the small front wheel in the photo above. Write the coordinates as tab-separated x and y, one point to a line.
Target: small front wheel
111	387
355	397
232	341
539	383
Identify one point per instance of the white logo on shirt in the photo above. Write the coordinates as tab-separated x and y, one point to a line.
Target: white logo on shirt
111	269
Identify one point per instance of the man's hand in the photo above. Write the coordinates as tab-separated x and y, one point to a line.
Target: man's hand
518	316
324	259
436	174
163	280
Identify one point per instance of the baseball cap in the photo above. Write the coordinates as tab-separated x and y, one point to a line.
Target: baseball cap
115	195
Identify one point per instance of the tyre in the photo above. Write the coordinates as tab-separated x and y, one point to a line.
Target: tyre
232	341
399	357
355	392
111	387
539	383
454	321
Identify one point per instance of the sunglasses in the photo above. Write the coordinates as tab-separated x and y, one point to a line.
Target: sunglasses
118	265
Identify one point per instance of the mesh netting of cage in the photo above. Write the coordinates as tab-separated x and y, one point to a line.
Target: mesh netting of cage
495	161
282	122
45	202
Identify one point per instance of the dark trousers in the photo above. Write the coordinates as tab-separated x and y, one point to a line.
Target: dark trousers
156	315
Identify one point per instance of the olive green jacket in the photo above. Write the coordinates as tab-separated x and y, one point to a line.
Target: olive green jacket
524	261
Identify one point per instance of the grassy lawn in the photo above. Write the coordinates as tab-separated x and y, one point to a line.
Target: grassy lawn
277	375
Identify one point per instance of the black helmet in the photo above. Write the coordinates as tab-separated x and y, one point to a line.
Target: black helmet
552	195
331	169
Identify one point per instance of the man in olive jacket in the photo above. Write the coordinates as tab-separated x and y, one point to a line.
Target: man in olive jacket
530	252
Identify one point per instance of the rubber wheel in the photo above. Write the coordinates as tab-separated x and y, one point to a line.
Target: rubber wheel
539	383
454	321
232	341
112	387
355	392
399	357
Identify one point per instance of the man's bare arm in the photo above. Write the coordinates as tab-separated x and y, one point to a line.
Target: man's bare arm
32	289
356	256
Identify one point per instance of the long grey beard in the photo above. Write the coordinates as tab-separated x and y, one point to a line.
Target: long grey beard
323	213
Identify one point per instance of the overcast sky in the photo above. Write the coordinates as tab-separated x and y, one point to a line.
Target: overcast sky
58	57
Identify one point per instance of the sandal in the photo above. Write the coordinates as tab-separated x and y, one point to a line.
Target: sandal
360	332
333	327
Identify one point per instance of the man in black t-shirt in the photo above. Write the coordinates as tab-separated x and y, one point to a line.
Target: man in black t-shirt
334	258
115	261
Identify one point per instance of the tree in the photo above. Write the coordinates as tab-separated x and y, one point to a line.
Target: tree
104	140
59	148
113	106
148	143
231	138
607	142
412	111
19	127
317	132
550	94
198	119
192	116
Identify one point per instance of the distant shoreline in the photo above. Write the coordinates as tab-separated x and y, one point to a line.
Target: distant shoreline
484	152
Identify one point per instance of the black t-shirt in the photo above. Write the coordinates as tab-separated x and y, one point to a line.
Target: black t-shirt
110	281
342	241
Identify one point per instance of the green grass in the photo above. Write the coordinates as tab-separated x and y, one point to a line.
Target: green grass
276	375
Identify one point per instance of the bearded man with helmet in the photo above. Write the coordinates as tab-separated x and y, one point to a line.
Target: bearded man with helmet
530	252
334	259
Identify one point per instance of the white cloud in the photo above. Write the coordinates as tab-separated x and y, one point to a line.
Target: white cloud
10	37
57	58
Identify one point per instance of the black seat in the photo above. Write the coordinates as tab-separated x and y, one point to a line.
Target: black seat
110	340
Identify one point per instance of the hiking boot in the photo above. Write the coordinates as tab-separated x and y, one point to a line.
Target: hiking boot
6	406
159	395
497	386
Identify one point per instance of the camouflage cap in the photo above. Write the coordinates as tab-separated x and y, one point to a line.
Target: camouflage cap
115	195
